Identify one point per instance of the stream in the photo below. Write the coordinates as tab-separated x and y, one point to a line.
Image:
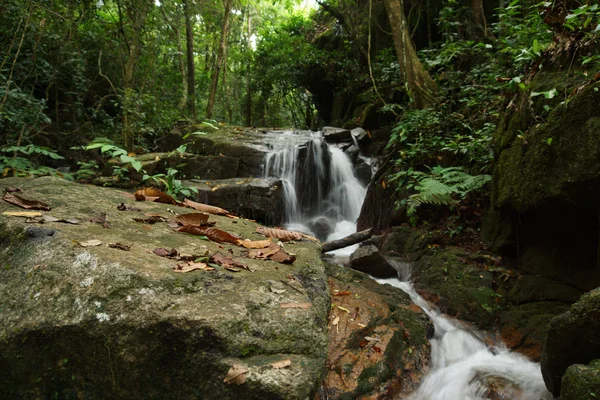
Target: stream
323	198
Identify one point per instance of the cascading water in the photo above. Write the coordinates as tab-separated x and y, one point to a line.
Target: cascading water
322	195
462	363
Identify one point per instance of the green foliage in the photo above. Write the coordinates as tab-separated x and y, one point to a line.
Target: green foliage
28	161
173	186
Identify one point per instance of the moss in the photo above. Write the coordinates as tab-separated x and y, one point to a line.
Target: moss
581	382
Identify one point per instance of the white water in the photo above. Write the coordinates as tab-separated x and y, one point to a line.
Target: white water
461	361
319	184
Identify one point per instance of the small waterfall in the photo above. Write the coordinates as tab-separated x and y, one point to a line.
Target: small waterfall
322	195
462	363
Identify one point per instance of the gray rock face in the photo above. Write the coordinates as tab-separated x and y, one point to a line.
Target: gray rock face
103	323
363	172
368	259
321	227
352	153
572	339
360	135
260	199
332	134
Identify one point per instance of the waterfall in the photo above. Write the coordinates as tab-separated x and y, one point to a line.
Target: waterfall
322	195
461	363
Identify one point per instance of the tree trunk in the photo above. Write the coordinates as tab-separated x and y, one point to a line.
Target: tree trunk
191	69
421	87
220	54
479	15
184	83
347	241
248	64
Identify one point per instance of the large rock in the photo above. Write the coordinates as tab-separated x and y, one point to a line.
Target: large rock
368	259
378	339
546	188
260	199
572	339
334	135
581	382
100	322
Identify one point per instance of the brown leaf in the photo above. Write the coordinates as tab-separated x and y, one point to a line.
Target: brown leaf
281	364
24	203
165	253
124	207
236	375
264	253
13	190
50	218
280	234
90	243
100	219
283	257
295	305
150	220
345	293
228	262
27	214
192	266
257	244
214	234
119	246
193	219
205	208
152	194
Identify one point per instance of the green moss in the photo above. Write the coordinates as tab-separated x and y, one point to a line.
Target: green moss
581	382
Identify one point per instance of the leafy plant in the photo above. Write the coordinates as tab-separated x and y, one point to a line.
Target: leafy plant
173	186
23	161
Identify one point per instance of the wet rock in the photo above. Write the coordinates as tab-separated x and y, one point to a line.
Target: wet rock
379	349
260	199
368	259
352	153
497	387
531	288
581	382
572	339
363	172
321	227
333	135
168	142
100	323
360	135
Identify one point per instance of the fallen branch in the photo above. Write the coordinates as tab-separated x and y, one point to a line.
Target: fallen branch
347	241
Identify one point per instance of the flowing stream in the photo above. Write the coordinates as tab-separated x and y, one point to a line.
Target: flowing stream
324	198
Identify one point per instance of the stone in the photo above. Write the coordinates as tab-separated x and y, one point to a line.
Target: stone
321	227
100	323
363	172
531	288
581	382
259	199
352	152
360	135
391	366
572	339
334	135
368	259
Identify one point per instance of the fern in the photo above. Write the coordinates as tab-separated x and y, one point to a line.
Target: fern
443	187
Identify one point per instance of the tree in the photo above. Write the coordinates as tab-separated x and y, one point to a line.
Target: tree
219	62
191	69
420	85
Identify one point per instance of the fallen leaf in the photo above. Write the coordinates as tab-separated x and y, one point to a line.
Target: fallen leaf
236	375
281	364
124	207
90	243
295	305
282	234
228	262
165	253
24	203
345	293
50	218
150	220
283	257
205	208
257	244
119	246
155	195
216	235
336	320
264	253
192	266
372	339
13	190
377	349
343	309
193	219
27	214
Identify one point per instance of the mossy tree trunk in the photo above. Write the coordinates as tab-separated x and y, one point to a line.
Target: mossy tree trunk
219	62
421	87
191	69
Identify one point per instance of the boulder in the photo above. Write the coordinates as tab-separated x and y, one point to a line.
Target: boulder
352	153
378	348
335	135
321	227
100	322
572	339
363	172
581	381
360	135
260	199
368	259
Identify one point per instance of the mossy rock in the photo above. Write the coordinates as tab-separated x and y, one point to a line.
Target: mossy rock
99	322
581	382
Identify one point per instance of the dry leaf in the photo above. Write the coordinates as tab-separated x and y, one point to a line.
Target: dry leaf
165	253
100	219
264	253
193	219
119	246
228	262
281	364
205	208
281	234
152	194
336	320
236	375
123	207
24	203
295	305
192	266
150	220
343	309
345	293
50	218
257	244
90	243
283	257
216	235
27	214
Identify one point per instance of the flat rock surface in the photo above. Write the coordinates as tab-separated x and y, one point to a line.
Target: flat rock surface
99	322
